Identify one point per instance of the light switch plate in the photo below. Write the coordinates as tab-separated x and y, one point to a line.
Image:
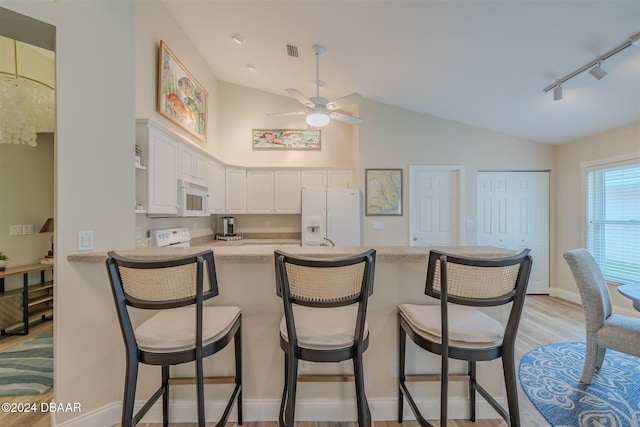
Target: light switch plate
15	230
378	225
85	240
27	229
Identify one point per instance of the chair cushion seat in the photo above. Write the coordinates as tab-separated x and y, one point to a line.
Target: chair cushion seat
174	330
324	328
468	326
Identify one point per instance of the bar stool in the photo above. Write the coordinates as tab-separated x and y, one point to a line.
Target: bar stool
183	329
325	307
456	329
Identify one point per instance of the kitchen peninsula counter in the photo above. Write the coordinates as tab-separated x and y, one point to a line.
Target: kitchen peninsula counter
246	279
259	251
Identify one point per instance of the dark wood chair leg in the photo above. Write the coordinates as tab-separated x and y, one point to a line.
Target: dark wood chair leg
472	389
200	391
292	382
237	341
364	417
283	401
508	364
444	390
402	339
131	379
165	396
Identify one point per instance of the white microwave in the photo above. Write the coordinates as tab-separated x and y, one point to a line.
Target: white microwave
193	199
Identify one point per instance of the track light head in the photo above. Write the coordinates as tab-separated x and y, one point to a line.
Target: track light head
557	93
597	72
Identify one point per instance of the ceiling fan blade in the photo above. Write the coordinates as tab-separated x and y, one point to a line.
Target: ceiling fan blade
344	118
296	94
292	113
353	98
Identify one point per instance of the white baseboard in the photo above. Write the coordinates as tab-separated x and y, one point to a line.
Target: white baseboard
575	298
382	409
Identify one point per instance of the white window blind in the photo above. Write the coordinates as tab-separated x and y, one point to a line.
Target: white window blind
613	220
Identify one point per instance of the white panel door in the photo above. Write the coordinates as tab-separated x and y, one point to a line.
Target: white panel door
513	213
494	209
434	206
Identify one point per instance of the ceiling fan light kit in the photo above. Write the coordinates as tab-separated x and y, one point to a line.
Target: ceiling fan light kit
317	120
594	67
320	110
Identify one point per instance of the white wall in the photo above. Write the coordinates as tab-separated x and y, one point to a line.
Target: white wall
154	23
242	109
94	184
26	198
570	199
392	137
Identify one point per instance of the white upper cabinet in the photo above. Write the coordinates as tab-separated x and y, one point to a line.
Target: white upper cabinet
162	167
192	165
216	184
340	178
314	178
273	191
287	191
236	194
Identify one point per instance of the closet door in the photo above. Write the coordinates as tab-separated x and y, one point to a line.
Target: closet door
513	213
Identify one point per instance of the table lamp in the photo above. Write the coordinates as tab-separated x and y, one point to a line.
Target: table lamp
48	228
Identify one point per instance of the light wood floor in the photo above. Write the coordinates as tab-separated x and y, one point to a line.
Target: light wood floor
545	320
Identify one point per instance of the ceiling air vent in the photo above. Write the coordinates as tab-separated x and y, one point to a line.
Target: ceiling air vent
292	50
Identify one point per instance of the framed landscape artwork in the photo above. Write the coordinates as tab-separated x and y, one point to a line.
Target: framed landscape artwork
383	195
286	139
181	98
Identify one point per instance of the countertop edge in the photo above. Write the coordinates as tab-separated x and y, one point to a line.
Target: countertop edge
264	253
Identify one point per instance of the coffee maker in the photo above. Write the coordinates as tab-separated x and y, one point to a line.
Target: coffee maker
228	226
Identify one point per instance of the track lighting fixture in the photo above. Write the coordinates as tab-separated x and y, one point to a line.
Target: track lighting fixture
594	67
597	72
557	93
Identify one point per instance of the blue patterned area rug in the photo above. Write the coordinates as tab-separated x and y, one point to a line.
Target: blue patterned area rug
27	369
550	376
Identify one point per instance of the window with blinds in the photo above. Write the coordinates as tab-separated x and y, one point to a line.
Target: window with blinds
613	220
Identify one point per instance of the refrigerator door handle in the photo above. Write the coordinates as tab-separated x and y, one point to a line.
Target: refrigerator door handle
329	224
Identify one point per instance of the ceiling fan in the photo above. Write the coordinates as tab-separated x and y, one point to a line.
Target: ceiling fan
319	109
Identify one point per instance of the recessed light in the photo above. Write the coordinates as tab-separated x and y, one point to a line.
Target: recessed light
251	67
237	38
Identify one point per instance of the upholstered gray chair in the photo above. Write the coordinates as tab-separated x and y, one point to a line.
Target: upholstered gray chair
604	329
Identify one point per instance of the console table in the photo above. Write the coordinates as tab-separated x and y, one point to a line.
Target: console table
18	306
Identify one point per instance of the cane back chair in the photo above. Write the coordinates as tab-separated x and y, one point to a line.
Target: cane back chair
182	330
455	328
325	306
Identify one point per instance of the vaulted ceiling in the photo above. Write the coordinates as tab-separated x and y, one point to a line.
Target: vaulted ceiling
482	63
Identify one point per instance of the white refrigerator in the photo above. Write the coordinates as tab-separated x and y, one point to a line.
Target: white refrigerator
332	213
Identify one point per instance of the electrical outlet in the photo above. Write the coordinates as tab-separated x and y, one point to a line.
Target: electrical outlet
304	366
378	225
138	232
27	229
15	230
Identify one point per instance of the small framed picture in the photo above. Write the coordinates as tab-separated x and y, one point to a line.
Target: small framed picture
286	139
383	192
181	98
